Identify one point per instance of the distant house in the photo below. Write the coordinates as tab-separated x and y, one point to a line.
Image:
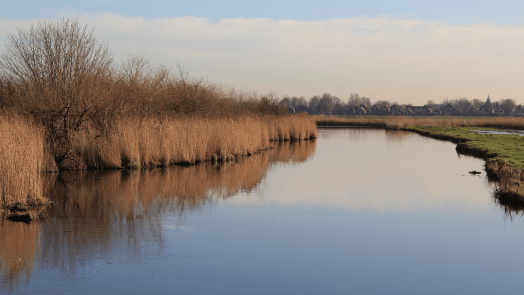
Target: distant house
395	110
486	110
428	111
302	109
471	111
417	110
450	110
353	110
291	109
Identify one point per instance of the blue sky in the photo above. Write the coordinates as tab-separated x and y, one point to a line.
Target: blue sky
479	11
404	51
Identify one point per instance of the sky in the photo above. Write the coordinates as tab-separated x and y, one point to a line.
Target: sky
402	51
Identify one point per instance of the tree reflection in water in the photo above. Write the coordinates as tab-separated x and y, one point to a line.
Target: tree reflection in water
95	213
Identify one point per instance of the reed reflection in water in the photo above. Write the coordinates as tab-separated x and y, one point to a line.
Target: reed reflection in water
108	214
18	245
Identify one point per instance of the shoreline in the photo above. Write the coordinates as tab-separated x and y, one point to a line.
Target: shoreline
132	146
509	175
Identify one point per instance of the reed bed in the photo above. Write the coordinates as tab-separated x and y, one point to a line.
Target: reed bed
116	116
133	144
21	159
400	122
186	140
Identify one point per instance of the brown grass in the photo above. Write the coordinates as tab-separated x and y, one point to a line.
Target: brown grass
21	160
154	142
399	122
134	144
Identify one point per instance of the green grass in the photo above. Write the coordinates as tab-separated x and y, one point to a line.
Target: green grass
508	148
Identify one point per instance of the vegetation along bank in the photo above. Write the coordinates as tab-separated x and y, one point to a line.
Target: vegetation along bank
480	137
66	105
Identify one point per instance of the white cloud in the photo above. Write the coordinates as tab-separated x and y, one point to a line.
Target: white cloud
403	60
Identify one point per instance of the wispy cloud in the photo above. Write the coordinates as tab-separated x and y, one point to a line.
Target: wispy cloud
383	58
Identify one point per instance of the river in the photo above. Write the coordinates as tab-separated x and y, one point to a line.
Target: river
357	211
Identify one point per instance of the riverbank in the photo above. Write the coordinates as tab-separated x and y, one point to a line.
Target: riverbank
130	144
66	105
503	153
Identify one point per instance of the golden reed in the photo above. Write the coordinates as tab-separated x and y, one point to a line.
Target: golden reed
116	116
156	142
399	122
133	144
21	159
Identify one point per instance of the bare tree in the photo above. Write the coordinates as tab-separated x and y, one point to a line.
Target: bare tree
326	105
354	100
366	100
477	103
508	105
313	103
57	73
285	102
462	104
301	101
431	104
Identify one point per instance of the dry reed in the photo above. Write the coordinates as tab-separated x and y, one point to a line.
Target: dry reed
21	159
155	142
89	113
400	122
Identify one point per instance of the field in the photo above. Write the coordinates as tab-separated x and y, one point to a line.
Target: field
399	122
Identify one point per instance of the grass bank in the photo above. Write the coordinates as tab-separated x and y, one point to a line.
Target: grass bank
504	154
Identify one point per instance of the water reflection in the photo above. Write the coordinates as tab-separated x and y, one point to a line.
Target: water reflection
18	245
359	134
511	203
102	214
372	205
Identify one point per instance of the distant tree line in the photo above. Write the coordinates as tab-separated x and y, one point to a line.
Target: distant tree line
328	104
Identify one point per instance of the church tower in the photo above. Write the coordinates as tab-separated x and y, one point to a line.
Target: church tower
488	101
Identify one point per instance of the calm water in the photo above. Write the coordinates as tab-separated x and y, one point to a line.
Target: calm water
357	211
